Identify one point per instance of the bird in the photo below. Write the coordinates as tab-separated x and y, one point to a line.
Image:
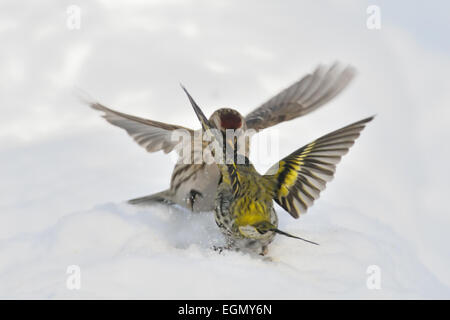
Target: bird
194	182
244	209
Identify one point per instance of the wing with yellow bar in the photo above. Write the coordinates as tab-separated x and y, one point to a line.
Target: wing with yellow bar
300	177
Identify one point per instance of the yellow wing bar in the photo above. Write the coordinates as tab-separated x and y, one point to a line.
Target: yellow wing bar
303	174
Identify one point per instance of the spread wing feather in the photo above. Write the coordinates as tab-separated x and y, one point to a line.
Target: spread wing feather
151	135
302	97
300	177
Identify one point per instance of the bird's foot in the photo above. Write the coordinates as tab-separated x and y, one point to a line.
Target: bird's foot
220	249
193	194
264	251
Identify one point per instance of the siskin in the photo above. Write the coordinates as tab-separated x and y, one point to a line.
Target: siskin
244	200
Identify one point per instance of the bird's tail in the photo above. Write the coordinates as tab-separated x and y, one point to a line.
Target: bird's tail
291	236
160	197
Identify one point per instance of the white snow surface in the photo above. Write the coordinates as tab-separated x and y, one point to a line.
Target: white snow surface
164	253
65	173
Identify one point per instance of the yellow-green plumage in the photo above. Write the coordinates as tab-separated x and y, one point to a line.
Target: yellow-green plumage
244	201
246	214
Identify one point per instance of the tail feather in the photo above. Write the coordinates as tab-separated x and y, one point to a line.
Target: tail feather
160	197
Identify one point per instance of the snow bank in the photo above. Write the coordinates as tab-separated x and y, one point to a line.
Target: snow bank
165	252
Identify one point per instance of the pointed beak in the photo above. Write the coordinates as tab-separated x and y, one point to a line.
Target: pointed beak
200	115
291	236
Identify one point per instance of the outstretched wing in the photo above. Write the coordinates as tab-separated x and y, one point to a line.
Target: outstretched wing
299	178
302	97
152	135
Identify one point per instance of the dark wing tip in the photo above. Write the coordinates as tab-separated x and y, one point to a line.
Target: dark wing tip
292	236
368	119
96	106
85	97
294	214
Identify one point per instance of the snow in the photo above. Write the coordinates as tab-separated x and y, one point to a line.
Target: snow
66	173
161	252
